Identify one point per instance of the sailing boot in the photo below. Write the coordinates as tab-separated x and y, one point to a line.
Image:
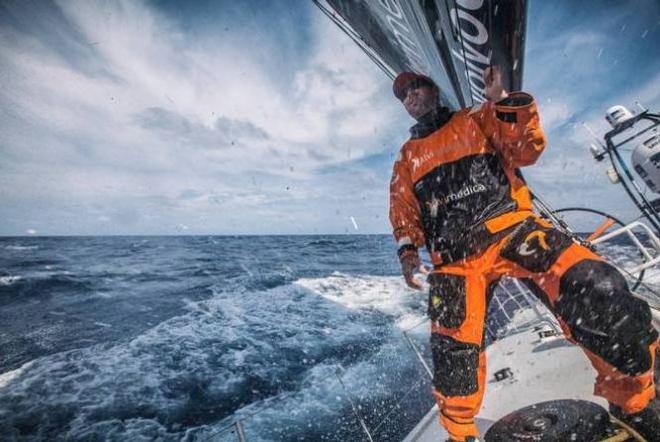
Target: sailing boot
645	422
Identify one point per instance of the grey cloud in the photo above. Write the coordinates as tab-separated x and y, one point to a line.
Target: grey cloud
157	118
334	78
190	194
210	197
318	156
226	131
239	129
46	24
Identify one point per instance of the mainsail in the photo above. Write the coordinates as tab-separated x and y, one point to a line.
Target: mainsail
448	40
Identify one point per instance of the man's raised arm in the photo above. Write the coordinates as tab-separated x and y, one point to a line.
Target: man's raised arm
511	122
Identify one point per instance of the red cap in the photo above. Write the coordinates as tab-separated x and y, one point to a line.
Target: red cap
404	79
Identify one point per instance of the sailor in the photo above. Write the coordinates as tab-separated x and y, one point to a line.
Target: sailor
456	189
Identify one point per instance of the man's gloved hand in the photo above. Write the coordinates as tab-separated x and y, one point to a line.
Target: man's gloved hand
410	263
494	89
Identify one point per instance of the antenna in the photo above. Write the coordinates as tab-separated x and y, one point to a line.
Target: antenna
597	152
593	134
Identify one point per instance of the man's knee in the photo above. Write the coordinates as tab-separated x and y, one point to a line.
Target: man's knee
456	366
604	317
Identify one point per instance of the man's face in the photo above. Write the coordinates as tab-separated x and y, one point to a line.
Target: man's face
420	100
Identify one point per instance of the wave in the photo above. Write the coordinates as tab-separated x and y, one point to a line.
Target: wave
388	295
19	247
240	347
267	281
9	280
20	288
35	263
334	244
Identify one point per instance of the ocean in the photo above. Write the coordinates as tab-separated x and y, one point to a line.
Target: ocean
174	338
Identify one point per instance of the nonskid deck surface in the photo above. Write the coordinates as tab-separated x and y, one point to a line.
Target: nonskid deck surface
541	369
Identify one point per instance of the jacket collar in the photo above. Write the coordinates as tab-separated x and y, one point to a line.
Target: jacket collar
430	122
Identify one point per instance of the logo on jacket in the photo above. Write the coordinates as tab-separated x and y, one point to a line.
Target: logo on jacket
527	249
465	191
435	202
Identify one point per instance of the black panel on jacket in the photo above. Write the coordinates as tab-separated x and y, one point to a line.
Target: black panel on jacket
457	197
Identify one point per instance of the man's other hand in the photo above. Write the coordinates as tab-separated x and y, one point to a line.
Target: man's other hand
494	89
410	263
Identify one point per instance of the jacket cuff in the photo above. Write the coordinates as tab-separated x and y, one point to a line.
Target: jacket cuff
507	110
516	99
406	250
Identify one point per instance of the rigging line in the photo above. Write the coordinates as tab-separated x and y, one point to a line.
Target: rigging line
641	132
265	405
652	290
646	297
590	210
220	431
363	424
644	205
414	386
416	325
356	38
639	278
233	424
615	159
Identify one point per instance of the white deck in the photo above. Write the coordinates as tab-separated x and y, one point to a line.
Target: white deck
543	369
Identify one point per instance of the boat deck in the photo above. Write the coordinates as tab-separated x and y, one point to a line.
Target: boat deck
539	369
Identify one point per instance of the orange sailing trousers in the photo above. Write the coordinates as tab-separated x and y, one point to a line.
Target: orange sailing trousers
589	297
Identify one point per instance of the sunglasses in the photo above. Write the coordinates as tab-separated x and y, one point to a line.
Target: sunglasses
415	83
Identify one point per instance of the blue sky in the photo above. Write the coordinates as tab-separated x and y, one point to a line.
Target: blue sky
261	117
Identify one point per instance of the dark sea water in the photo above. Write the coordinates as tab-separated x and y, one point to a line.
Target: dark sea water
174	338
171	338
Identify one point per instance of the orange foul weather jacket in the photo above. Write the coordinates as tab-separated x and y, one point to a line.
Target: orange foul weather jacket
454	189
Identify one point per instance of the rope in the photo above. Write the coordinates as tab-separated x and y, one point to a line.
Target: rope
265	406
397	403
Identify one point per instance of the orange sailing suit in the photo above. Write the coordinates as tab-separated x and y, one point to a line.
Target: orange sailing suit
456	189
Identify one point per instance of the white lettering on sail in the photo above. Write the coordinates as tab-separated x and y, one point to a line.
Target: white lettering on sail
406	43
474	34
482	35
403	35
392	8
470	4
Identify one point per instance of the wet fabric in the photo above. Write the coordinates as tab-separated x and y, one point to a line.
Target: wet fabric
617	328
461	178
588	296
535	246
447	299
457	190
431	122
455	366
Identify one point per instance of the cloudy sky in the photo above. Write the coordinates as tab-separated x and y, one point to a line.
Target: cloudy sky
261	117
